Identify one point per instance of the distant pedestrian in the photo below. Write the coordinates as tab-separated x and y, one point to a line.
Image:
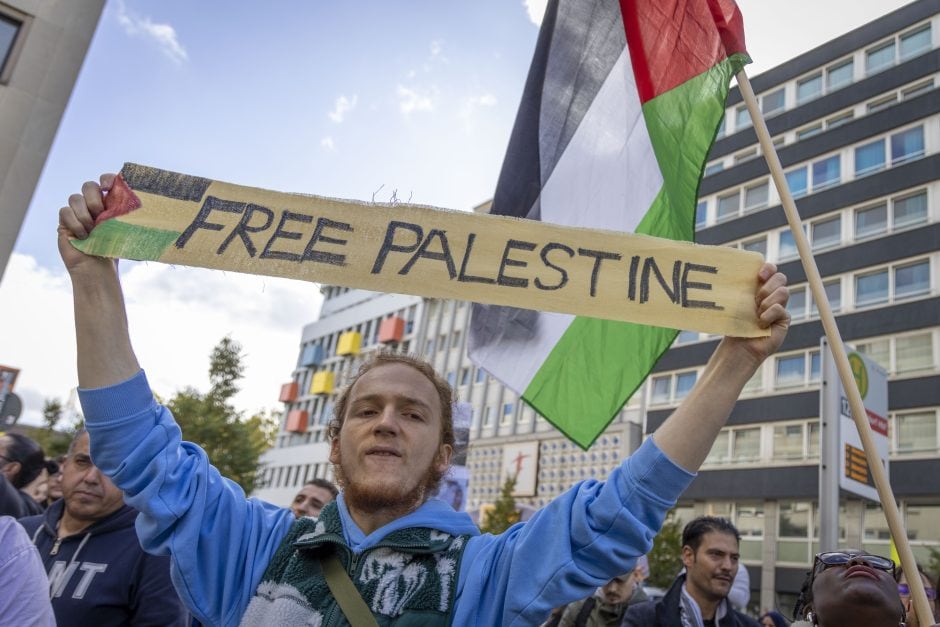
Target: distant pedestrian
773	619
313	496
21	461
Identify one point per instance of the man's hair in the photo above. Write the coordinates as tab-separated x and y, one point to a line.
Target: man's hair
326	485
698	527
30	456
78	434
444	391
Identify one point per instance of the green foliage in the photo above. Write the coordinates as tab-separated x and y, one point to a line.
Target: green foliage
53	443
665	558
503	514
232	442
933	566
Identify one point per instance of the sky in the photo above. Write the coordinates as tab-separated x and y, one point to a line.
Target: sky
361	99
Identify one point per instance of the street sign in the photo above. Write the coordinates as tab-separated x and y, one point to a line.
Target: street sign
872	381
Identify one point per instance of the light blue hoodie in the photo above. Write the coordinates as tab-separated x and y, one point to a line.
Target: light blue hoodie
221	542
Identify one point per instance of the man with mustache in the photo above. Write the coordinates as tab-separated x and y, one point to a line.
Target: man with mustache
98	574
698	597
383	552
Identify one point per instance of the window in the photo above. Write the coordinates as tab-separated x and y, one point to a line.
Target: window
826	233
662	389
826	173
878	351
701	213
833	289
745	445
684	383
808	88
788	441
907	145
714	167
916	432
721	127
487	416
797	181
809	131
797	303
11	29
481	375
839	75
507	414
756	382
870	158
719	451
910	210
871	221
915	90
871	288
429	349
838	120
882	103
451	378
686	337
742	118
794	522
758	245
913	352
745	155
728	206
879	58
912	279
787	247
791	371
464	375
915	42
774	102
455	338
755	197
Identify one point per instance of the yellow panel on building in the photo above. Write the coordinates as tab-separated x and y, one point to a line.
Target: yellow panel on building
322	382
349	343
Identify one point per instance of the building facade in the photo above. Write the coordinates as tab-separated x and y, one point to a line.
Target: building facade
856	123
42	46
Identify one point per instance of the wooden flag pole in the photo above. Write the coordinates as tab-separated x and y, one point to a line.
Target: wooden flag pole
893	516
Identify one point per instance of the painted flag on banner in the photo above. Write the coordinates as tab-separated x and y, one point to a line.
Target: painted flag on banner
622	103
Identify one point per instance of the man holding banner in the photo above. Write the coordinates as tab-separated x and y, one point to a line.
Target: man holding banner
412	560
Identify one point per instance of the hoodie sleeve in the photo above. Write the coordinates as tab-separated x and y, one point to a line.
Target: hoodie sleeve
578	542
219	541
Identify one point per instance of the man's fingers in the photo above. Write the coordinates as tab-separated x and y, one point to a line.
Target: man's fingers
107	180
91	192
69	218
773	314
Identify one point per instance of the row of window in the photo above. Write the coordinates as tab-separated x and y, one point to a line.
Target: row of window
842	73
912	432
900	355
368	329
823	173
293	476
882	101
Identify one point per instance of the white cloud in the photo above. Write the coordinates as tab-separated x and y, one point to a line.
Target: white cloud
411	100
436	46
536	10
342	107
163	35
470	106
327	142
176	316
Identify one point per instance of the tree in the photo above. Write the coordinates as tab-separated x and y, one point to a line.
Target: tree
503	514
665	558
53	443
233	443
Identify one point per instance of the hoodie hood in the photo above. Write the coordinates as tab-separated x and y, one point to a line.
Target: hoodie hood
433	514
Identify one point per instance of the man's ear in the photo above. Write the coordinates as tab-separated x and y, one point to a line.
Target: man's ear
334	450
688	556
444	453
11	469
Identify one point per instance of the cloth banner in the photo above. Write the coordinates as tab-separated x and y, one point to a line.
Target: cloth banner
156	215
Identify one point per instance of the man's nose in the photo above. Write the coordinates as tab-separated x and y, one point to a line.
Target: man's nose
92	476
388	420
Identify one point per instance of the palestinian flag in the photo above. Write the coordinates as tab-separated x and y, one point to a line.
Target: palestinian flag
620	109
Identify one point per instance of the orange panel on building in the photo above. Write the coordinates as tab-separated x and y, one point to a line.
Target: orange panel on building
288	392
296	421
392	330
322	382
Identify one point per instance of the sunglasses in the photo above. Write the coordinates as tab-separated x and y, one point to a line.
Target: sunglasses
904	590
839	558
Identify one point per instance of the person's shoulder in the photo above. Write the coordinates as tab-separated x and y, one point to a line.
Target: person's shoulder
31	523
641	611
745	620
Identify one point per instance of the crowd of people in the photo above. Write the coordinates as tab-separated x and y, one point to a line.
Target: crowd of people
148	532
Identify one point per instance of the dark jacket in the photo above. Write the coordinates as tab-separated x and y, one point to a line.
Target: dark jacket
16	503
665	612
101	576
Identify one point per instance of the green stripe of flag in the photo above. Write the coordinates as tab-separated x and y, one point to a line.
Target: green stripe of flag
113	238
595	357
